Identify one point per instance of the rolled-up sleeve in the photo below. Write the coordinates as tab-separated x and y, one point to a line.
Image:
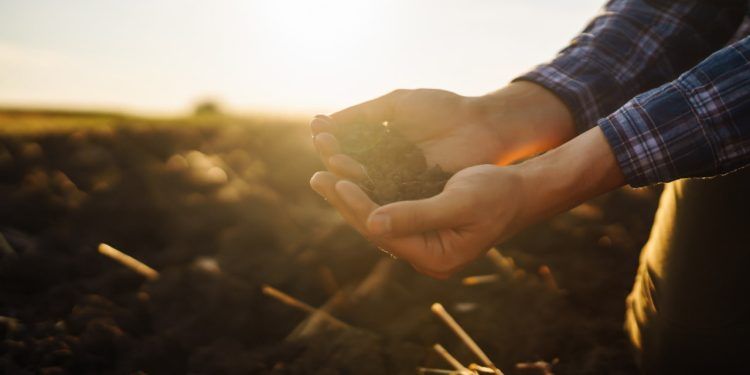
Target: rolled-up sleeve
633	46
695	126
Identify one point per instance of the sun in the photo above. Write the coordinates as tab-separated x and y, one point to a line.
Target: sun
324	24
316	51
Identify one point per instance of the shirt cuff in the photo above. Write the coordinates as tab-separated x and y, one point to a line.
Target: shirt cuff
585	88
619	129
657	137
554	81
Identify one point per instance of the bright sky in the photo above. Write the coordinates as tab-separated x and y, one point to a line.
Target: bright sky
299	56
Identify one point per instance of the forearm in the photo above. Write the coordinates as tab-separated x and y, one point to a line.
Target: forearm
695	126
531	117
571	174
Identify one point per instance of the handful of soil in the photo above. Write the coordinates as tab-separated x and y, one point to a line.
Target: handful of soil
396	168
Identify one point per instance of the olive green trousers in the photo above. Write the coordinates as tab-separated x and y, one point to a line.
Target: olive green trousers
689	311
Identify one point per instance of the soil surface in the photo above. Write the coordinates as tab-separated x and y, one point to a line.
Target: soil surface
396	168
222	208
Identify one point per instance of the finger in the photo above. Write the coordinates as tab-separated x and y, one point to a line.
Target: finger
320	124
371	112
361	206
445	210
345	166
324	183
356	200
317	182
326	144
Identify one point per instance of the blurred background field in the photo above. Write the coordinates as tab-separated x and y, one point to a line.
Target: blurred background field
220	206
96	147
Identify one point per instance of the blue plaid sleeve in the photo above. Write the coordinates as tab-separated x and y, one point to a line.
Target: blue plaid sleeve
695	126
633	46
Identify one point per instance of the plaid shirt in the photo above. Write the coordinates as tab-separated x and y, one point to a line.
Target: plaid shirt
621	73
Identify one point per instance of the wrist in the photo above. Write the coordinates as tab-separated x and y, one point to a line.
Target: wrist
528	118
567	176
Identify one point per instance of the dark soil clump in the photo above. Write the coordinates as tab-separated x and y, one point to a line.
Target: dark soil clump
396	168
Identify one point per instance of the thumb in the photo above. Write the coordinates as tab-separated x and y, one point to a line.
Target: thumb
445	210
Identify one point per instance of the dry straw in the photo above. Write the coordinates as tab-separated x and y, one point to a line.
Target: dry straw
504	264
480	279
293	302
449	358
440	311
545	273
128	261
427	370
477	369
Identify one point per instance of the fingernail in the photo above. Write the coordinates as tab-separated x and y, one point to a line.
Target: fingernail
315	189
314	185
317	125
379	224
316	141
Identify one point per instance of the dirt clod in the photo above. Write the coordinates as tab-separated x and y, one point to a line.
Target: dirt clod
396	168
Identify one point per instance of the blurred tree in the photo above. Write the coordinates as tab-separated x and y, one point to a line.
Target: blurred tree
207	108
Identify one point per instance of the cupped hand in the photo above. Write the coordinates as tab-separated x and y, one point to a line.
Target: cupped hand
448	128
454	131
479	206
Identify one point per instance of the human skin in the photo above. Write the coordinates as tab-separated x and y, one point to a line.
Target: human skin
457	131
486	201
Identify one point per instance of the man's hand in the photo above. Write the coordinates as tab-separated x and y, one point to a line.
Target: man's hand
480	205
455	131
437	235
